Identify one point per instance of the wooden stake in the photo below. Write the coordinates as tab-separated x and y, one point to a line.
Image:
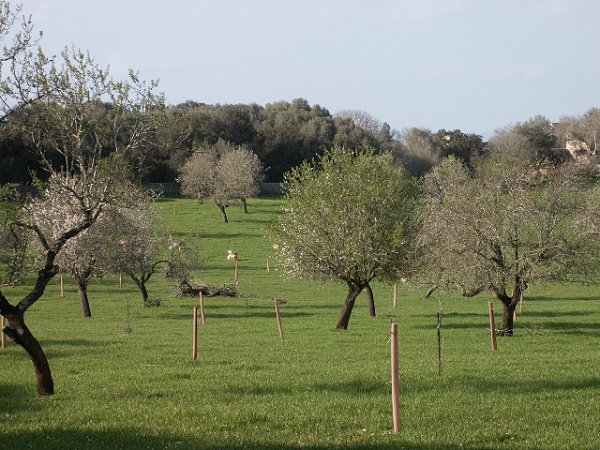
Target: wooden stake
439	337
236	276
492	327
202	308
276	301
195	334
2	333
395	379
62	286
395	294
268	270
120	279
521	302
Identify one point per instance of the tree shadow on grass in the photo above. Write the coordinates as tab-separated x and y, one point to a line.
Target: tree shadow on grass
227	311
547	314
15	398
578	328
530	386
544	298
353	387
61	439
55	348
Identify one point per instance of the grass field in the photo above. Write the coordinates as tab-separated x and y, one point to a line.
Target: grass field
319	388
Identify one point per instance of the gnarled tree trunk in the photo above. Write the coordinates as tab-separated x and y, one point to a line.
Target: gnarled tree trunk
344	318
141	284
83	298
20	334
222	207
509	304
370	300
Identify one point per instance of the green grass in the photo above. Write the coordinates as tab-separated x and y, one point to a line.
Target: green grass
320	388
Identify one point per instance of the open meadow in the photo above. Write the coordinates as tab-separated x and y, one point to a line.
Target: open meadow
125	378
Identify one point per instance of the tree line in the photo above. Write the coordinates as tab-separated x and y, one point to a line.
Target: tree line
282	135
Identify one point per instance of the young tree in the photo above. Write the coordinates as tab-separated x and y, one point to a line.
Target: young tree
138	247
221	172
349	216
81	258
504	228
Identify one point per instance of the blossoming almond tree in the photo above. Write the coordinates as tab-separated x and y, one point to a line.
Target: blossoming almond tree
507	226
55	108
349	216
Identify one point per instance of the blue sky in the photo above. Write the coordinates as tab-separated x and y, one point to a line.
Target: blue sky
455	64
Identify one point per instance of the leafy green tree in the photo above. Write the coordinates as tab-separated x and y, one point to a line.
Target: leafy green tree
349	216
467	147
292	133
506	227
418	151
539	132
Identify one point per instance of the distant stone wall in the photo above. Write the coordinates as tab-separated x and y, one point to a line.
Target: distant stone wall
270	188
163	188
173	188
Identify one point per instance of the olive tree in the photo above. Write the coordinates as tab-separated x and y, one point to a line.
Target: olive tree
349	216
505	227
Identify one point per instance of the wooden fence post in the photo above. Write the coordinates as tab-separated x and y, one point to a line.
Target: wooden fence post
492	327
195	334
62	286
395	379
276	302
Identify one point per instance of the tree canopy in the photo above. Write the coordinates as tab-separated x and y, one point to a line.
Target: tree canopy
221	172
349	216
505	227
53	105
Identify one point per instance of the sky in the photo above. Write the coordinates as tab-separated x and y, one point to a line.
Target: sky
472	65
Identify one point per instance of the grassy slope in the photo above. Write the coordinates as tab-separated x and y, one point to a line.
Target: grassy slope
320	388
